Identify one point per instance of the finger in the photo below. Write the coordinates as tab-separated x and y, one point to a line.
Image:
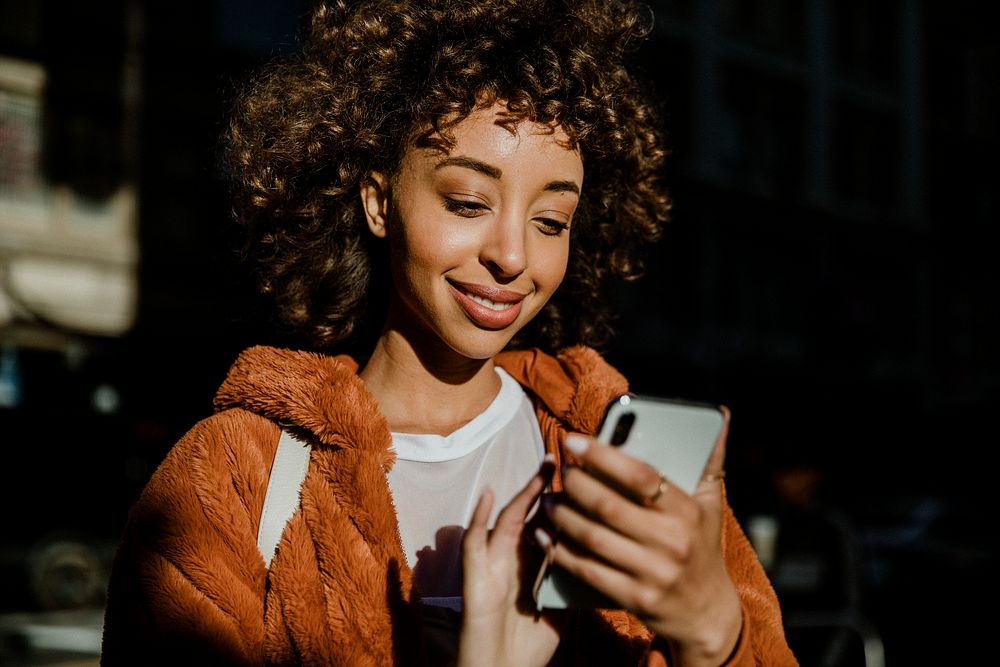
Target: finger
649	526
612	582
511	518
633	477
481	514
475	538
546	470
540	519
715	468
600	540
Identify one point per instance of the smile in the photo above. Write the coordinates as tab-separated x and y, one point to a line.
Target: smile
488	307
492	305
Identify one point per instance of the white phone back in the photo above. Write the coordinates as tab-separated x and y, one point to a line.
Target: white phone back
676	438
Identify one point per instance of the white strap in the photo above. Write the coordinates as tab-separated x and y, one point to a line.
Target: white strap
283	489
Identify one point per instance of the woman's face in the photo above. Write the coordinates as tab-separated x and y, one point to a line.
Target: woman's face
478	236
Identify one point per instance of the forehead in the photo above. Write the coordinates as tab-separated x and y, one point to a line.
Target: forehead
504	131
493	127
493	133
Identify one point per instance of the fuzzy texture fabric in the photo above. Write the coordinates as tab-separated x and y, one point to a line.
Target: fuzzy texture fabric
189	585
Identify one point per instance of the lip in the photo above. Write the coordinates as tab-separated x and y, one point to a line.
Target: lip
481	315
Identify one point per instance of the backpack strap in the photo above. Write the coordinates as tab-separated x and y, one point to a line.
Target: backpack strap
284	486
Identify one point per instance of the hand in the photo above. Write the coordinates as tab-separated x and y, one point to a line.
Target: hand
499	625
625	530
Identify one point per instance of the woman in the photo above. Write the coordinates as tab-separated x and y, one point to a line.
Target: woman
438	186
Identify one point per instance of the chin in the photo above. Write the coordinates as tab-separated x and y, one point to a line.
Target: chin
483	345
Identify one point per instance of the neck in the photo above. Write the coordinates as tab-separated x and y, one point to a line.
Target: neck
427	393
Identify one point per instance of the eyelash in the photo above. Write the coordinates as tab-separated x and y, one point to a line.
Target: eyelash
552	227
466	209
470	209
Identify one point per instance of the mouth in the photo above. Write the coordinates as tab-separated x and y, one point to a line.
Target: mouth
487	306
498	306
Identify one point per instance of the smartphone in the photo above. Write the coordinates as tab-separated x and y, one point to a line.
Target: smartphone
674	436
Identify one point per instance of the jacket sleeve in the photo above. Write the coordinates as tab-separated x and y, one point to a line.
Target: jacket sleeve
187	583
762	636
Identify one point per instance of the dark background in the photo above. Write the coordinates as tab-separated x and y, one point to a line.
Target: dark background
829	275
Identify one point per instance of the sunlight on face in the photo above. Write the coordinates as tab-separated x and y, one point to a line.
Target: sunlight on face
479	236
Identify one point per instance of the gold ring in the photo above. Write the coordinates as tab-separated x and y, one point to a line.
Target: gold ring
653	497
714	476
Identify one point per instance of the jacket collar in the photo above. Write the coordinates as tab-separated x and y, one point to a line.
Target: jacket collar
576	385
319	393
324	394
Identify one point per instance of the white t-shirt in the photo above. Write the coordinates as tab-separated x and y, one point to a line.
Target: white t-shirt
437	481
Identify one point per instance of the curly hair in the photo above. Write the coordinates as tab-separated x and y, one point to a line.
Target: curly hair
376	76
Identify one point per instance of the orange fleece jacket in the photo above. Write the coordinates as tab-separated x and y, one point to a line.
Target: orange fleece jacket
189	584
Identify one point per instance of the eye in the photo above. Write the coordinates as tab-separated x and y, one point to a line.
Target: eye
464	207
551	226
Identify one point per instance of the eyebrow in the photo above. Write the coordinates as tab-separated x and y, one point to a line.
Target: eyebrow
562	186
495	173
472	164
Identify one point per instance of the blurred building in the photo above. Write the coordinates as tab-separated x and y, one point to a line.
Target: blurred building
828	275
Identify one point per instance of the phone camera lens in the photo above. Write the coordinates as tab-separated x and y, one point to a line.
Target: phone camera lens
622	428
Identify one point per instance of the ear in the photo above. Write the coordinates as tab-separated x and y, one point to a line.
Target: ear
375	202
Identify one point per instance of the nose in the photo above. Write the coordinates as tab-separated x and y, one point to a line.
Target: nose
503	251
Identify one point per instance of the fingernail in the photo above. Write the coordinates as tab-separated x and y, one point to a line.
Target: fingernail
548	468
543	539
577	444
549	502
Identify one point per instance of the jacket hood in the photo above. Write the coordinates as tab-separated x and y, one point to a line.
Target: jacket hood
302	389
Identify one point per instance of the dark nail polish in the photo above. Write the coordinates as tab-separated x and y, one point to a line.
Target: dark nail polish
550	500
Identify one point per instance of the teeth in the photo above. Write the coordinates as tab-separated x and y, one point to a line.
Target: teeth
489	304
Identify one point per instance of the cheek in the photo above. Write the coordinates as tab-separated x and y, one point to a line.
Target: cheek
424	253
552	266
435	250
